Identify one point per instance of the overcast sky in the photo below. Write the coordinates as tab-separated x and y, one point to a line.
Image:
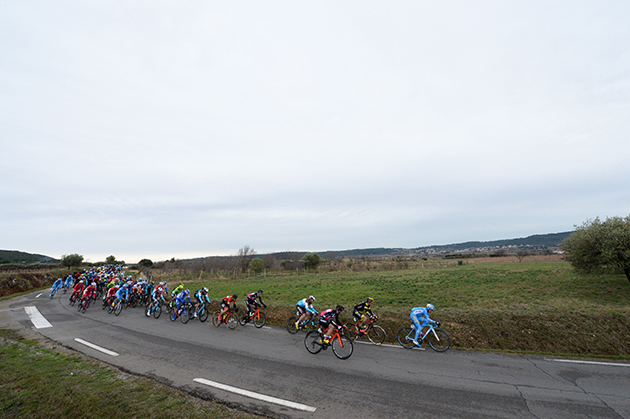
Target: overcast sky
192	128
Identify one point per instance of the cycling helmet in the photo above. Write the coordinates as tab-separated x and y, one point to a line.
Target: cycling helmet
339	308
311	298
205	289
81	281
370	299
186	292
235	296
93	284
260	291
125	286
430	307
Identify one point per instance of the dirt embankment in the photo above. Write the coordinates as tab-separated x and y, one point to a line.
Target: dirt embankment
13	283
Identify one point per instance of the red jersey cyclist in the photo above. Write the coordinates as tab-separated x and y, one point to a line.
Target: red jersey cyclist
225	304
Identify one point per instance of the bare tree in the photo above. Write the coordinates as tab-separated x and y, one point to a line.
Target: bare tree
245	255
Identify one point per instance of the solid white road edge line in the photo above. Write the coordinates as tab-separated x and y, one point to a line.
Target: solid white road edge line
257	396
575	361
98	348
36	317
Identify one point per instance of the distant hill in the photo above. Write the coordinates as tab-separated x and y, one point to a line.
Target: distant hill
535	242
15	256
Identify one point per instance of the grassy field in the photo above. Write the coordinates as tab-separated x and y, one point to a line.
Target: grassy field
543	307
37	382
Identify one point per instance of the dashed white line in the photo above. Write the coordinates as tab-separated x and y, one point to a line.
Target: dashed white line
98	348
38	295
575	361
257	396
36	317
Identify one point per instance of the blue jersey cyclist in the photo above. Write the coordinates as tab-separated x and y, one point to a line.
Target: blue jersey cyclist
201	296
122	294
56	285
68	283
182	298
251	302
420	318
305	310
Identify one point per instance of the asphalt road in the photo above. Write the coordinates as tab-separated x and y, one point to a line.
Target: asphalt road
287	381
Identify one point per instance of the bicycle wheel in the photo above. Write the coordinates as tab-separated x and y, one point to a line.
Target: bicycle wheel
405	339
80	306
185	316
232	322
438	340
291	328
157	312
342	346
244	319
203	315
215	319
118	309
352	331
174	315
313	342
260	320
110	308
376	334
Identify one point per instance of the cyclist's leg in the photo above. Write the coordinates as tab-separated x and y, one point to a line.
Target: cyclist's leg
418	327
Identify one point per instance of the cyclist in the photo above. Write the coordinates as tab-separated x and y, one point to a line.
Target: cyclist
177	290
201	295
111	294
121	295
68	283
305	309
362	313
182	298
56	285
420	318
90	292
157	296
251	302
77	290
225	304
328	320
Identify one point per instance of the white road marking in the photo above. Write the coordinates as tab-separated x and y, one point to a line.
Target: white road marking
36	317
98	348
38	295
575	361
257	396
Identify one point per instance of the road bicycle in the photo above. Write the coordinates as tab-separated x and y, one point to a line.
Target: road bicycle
53	292
257	317
153	309
73	298
200	313
341	345
375	333
184	313
229	318
309	324
84	304
118	306
437	338
107	301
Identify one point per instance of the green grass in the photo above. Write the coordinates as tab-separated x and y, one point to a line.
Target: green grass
543	307
42	383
